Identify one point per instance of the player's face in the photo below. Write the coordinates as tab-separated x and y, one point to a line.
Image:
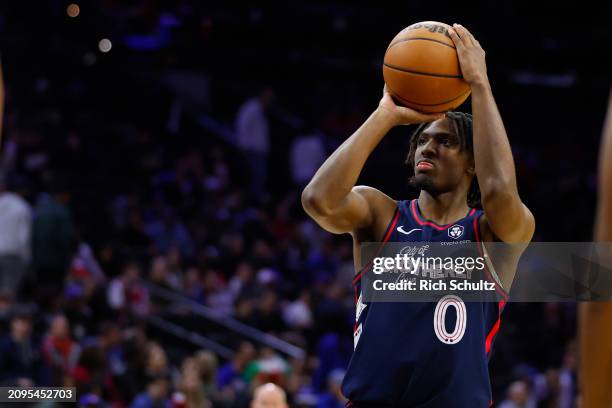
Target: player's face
439	163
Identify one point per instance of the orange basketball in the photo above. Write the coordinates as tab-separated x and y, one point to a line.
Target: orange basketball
421	69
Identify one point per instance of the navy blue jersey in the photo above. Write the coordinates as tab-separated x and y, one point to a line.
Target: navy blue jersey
425	355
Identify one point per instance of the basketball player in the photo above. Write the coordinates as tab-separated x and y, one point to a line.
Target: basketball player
595	325
401	357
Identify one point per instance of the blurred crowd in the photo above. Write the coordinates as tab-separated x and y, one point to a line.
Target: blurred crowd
161	163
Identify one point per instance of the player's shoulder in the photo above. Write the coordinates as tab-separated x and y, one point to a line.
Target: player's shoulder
375	198
381	206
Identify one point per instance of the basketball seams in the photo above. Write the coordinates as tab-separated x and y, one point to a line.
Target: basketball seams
419	38
410	71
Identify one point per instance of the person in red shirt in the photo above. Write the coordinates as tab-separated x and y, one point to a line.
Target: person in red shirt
59	350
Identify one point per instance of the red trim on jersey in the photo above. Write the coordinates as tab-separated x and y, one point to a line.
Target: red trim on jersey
495	329
393	224
356	299
421	221
492	335
390	229
349	404
490	278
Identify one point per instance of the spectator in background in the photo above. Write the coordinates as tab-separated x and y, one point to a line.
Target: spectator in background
268	317
567	376
168	232
60	352
331	313
307	154
298	314
231	372
15	232
135	350
156	394
132	235
161	275
91	374
110	342
90	401
518	396
157	361
20	362
269	367
269	395
191	386
6	306
192	284
174	259
253	137
216	293
242	282
330	356
556	387
84	266
76	306
52	238
206	364
333	398
127	295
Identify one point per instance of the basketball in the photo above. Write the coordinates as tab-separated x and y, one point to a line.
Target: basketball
421	69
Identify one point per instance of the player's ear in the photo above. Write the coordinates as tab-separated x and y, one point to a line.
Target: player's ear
471	169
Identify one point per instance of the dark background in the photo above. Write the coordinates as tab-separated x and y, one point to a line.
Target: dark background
119	138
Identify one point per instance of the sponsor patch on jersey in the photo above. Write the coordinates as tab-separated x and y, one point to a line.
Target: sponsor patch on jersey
456	231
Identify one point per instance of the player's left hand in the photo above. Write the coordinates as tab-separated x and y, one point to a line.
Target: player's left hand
471	55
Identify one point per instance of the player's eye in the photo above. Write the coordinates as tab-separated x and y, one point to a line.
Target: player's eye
421	140
446	141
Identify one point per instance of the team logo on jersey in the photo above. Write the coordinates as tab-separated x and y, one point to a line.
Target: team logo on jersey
456	231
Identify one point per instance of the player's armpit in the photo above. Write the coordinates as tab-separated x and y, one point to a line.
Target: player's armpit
505	259
357	211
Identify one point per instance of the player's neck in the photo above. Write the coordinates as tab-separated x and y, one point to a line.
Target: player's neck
443	208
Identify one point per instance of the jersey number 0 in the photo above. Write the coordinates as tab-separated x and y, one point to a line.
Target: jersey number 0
439	320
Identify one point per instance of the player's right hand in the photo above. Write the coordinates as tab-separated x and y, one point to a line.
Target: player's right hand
400	115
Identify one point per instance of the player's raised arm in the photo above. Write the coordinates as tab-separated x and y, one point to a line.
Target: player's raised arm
331	197
603	219
505	214
596	317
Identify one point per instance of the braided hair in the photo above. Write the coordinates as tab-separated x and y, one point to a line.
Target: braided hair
462	123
